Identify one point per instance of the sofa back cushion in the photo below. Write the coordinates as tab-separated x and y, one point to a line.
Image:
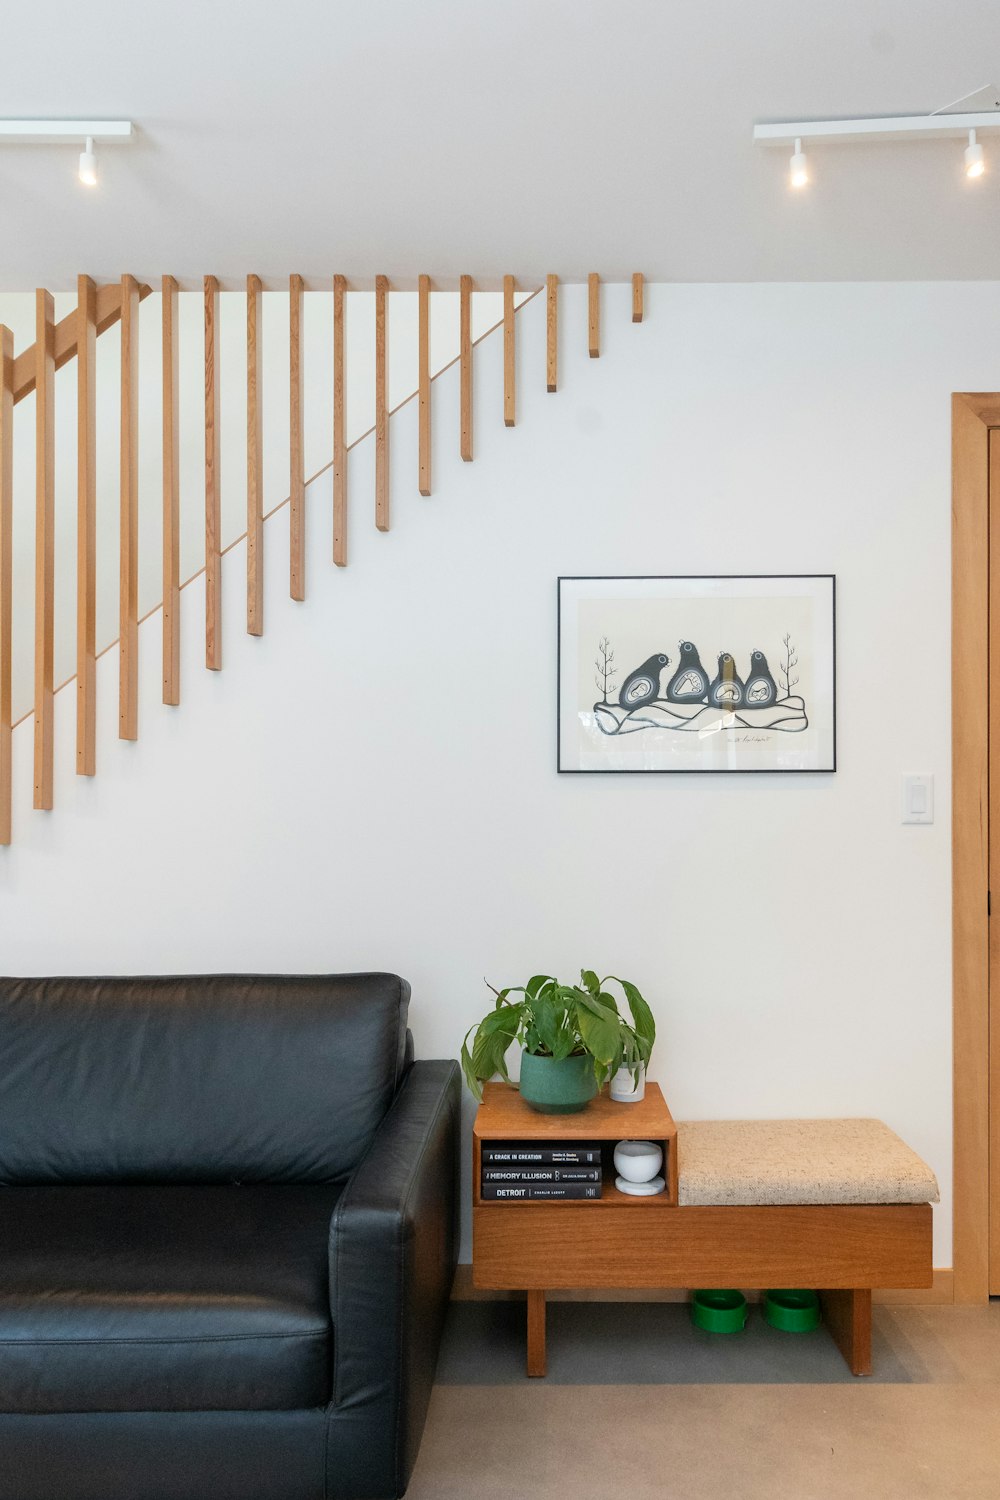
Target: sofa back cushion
196	1078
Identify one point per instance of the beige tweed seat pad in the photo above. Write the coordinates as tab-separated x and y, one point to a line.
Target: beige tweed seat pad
749	1162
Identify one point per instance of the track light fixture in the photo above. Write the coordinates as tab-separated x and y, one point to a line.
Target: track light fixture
88	164
964	119
975	163
798	169
68	132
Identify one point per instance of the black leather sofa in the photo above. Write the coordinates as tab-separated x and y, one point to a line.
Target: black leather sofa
227	1237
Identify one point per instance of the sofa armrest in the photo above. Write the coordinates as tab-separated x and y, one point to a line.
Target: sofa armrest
393	1248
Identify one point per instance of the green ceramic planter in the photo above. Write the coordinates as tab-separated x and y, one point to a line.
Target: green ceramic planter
557	1086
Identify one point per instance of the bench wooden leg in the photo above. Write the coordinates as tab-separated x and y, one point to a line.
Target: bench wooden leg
536	1333
848	1316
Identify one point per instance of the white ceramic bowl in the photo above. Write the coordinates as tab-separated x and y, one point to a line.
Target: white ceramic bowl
637	1161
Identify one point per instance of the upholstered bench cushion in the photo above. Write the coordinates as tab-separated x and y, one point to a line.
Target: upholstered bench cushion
742	1162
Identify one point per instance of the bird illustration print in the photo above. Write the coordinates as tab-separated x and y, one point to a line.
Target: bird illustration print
689	683
726	690
643	685
680	697
761	689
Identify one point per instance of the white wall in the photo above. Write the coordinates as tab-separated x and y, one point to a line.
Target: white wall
373	783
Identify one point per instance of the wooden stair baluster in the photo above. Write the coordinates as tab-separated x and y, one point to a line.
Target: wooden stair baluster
381	406
86	527
551	333
213	519
594	314
637	289
297	483
128	638
171	496
339	445
465	365
424	382
508	351
45	370
255	460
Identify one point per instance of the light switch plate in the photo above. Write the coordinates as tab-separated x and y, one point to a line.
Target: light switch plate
918	799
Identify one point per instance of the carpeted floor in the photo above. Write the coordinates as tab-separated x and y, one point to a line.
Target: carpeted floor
639	1404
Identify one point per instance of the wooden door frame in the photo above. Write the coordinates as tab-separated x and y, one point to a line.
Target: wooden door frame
973	416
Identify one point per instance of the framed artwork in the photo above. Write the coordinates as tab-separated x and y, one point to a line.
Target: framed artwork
697	674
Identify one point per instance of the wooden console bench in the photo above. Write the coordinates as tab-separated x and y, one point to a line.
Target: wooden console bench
748	1204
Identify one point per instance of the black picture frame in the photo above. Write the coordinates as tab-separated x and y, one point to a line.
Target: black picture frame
691	770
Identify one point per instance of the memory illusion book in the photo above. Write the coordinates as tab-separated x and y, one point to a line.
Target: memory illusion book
541	1174
580	1156
496	1191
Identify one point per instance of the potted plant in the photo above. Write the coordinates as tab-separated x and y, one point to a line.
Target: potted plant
573	1039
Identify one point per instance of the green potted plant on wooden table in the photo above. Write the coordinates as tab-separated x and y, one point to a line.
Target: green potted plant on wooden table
573	1038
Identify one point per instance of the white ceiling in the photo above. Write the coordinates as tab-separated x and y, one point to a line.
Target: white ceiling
520	136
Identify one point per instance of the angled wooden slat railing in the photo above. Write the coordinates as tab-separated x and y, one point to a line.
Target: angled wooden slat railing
424	385
108	313
297	473
255	460
637	288
86	527
45	374
339	447
128	646
171	496
213	513
86	326
6	570
551	333
381	406
465	365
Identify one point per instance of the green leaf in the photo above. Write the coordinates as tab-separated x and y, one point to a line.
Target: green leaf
642	1016
535	983
512	989
546	1015
475	1087
600	1033
632	1057
590	980
489	1057
595	1005
609	1000
567	1038
494	1035
504	1022
489	1049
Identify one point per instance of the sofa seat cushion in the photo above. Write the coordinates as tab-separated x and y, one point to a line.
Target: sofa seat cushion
165	1298
744	1162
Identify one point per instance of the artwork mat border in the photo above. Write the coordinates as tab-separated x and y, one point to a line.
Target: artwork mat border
562	770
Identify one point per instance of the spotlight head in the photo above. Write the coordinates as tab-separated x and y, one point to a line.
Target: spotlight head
798	168
975	163
88	164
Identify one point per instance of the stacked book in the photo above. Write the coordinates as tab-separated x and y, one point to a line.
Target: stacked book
518	1170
